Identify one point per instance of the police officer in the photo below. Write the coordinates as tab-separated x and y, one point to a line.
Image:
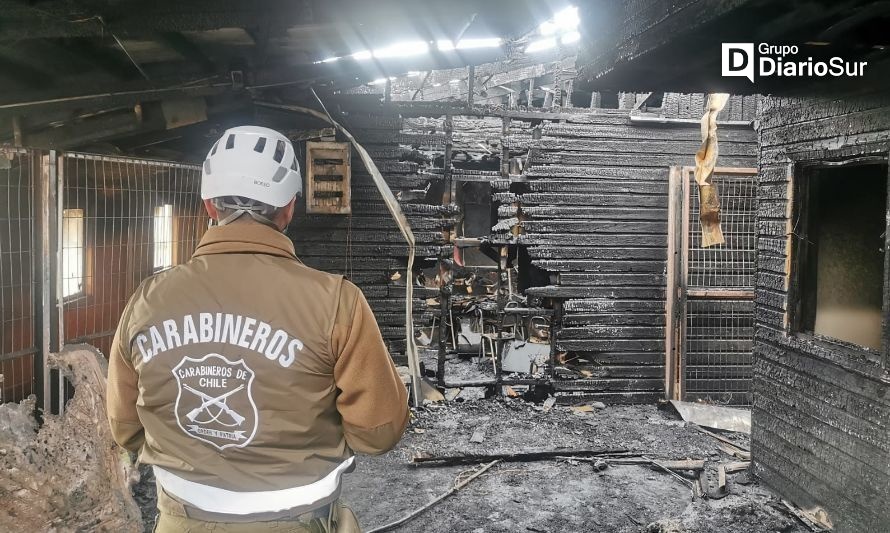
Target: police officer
245	378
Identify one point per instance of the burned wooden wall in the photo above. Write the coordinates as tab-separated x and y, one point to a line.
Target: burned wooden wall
594	214
582	205
367	246
821	420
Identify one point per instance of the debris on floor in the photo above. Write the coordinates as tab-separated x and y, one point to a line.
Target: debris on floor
714	416
66	476
622	491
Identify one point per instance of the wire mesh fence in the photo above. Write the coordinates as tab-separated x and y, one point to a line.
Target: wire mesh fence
719	346
18	282
123	220
730	265
720	307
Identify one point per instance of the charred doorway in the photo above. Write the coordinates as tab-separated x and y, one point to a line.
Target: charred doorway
710	304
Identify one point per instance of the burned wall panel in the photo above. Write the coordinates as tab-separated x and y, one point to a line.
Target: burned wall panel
366	246
577	200
594	212
821	416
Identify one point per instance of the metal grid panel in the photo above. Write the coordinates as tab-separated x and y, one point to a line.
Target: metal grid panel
730	265
122	220
719	344
719	332
18	282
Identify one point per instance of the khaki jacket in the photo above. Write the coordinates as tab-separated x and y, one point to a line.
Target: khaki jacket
246	371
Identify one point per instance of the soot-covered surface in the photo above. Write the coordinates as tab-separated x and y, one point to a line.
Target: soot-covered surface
556	496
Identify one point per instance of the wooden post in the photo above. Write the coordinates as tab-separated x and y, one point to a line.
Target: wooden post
790	249
446	164
49	236
555	325
471	84
447	285
556	94
501	302
537	133
675	306
530	97
17	131
59	340
548	99
570	89
422	83
505	150
444	306
885	340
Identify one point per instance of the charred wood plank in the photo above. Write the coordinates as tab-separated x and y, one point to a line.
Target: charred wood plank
517	457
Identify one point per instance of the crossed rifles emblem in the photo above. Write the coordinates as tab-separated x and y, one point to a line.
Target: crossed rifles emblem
218	401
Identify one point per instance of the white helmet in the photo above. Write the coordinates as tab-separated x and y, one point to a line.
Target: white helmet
252	162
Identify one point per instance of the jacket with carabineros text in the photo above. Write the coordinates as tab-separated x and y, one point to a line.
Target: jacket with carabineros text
245	372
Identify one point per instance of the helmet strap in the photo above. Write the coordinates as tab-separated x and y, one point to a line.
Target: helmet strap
239	209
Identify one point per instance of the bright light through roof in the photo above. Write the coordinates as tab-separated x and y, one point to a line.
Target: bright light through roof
564	21
402	49
488	42
571	37
364	54
539	45
468	44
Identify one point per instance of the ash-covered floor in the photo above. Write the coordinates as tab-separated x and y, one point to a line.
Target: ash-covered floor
554	496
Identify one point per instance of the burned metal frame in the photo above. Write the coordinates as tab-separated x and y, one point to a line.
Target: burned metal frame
49	278
46	204
20	234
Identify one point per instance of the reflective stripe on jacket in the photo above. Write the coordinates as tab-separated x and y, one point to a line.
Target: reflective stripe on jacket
244	370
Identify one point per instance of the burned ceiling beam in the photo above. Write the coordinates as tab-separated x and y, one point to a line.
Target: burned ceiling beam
88	131
187	121
23	74
112	60
187	49
120	95
55	19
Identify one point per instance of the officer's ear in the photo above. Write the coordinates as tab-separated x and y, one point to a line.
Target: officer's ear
285	214
211	210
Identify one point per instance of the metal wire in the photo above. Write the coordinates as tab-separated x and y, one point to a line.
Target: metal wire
18	282
720	332
719	344
123	221
730	265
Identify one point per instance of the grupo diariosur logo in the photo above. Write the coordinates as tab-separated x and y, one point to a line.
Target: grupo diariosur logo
738	59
